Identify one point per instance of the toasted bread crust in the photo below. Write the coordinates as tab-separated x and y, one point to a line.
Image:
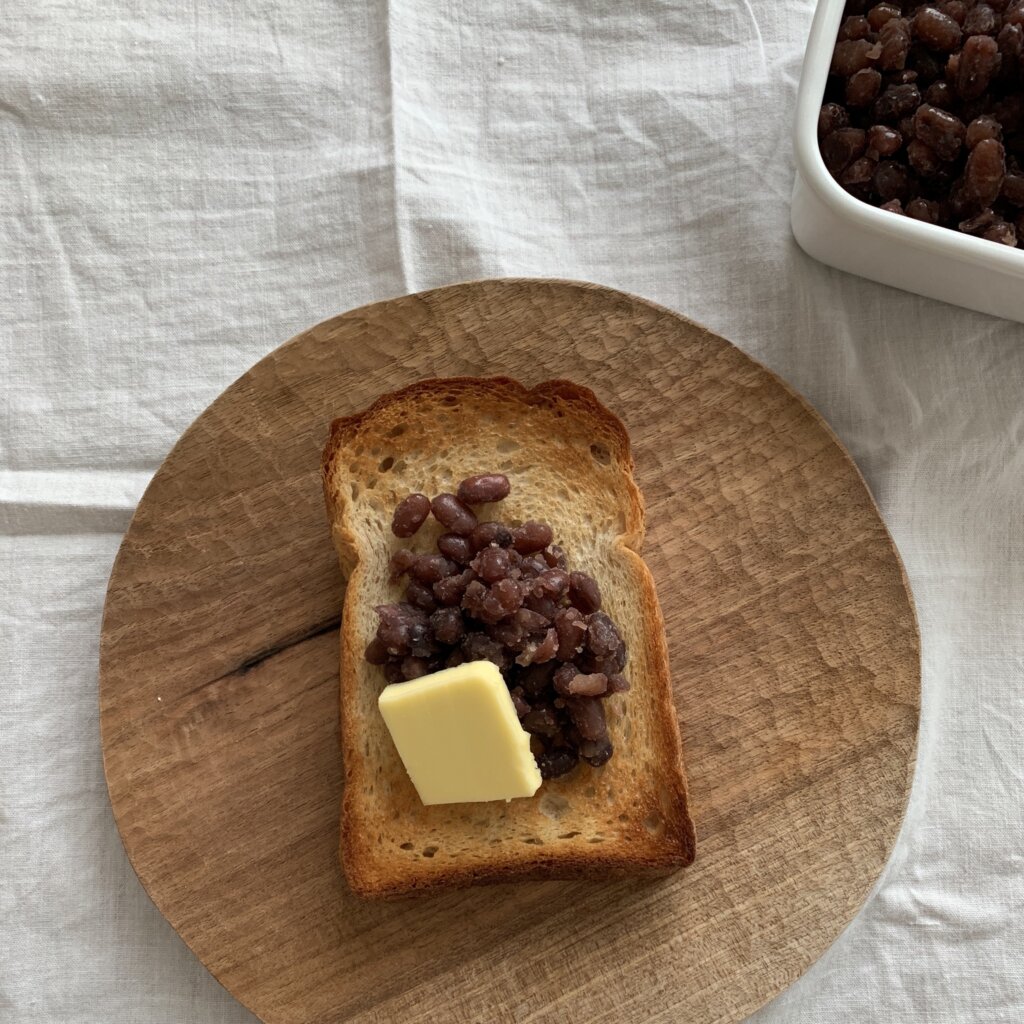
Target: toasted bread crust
627	846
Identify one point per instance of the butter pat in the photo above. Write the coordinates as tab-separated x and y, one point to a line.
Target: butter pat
459	737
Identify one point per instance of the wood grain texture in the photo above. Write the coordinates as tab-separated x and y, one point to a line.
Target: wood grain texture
791	636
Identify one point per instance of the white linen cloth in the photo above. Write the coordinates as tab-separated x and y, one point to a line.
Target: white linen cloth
185	186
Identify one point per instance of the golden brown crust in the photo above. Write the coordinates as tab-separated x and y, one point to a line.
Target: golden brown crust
634	849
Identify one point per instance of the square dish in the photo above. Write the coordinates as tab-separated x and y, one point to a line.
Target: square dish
844	232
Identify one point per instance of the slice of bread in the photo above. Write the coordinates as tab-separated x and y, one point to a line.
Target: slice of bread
569	463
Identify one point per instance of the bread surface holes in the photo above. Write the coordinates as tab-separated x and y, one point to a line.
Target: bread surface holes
654	823
429	851
553	805
386	463
601	454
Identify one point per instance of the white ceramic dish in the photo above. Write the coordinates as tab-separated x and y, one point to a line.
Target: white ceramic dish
844	232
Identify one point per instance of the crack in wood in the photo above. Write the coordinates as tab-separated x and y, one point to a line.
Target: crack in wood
257	659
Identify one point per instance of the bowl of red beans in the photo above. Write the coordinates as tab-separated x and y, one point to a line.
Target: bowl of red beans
909	147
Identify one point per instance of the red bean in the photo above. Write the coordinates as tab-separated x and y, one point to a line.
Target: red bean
842	147
986	168
858	173
851	55
539	651
376	653
398	627
831	117
419	595
863	87
603	637
924	209
584	593
936	30
983	128
990	226
531	536
940	130
923	158
855	27
414	668
509	634
542	605
891	180
572	628
553	583
880	14
555	557
410	515
490	533
454	515
401	562
883	141
457	548
955	9
481	647
532	566
450	590
541	721
530	621
978	63
587	714
617	683
448	625
1014	14
596	752
897	101
491	564
497	602
894	41
1013	189
940	94
981	20
484	488
431	568
578	684
1011	47
536	679
555	763
519	702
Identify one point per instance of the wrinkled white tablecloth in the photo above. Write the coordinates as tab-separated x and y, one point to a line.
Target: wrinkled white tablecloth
185	186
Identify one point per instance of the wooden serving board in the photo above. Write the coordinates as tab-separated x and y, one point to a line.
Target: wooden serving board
792	640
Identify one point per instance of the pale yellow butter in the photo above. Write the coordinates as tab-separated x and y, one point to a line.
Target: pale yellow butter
459	737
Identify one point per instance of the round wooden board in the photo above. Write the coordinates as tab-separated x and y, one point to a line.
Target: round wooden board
792	640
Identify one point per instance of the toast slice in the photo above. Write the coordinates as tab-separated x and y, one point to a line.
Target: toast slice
569	463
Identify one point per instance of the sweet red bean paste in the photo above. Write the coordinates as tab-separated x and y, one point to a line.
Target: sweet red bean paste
504	593
924	112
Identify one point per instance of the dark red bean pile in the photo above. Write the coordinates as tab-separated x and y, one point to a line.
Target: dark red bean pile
924	112
505	594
